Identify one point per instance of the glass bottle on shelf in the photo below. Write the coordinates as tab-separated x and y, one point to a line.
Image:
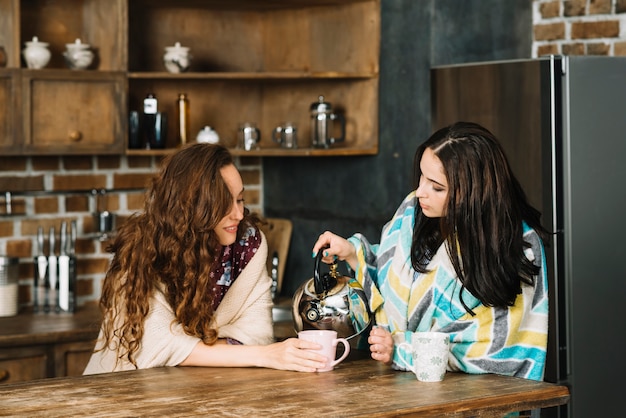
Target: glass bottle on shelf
182	107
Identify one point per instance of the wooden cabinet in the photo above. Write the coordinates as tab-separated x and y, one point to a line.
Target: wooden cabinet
37	346
68	114
56	110
252	61
8	97
24	363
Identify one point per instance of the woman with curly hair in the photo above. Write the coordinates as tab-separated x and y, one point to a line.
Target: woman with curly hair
188	285
462	255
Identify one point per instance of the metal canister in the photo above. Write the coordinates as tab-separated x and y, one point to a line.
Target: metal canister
8	285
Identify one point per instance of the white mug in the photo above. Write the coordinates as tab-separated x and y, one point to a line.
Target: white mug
328	340
429	351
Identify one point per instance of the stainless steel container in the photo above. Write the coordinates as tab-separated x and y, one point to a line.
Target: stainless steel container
8	286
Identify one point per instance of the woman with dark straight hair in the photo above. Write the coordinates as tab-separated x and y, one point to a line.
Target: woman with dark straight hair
462	255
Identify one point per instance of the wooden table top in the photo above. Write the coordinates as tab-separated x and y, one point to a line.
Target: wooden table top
357	387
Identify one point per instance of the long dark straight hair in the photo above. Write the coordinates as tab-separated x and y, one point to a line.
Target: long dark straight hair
482	225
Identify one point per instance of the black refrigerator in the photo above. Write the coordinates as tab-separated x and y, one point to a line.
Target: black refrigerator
562	122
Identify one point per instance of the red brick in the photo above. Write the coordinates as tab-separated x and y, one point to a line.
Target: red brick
84	287
619	49
30	226
21	183
252	197
131	180
135	201
77	203
250	177
108	162
549	32
17	206
22	248
550	9
78	163
244	161
590	30
139	162
79	181
46	204
550	49
574	7
573	49
13	163
598	49
599	7
45	163
92	265
6	229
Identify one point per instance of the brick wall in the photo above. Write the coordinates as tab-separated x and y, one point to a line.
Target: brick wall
68	177
579	27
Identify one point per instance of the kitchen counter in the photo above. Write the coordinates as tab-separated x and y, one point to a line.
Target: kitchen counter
37	346
28	328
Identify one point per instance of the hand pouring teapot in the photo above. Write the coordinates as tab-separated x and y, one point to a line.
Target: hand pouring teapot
322	121
330	302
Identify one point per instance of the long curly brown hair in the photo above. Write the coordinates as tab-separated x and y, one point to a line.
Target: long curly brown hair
171	245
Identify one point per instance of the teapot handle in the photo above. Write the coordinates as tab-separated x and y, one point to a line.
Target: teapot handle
324	282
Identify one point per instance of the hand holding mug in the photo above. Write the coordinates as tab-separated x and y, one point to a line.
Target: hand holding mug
329	341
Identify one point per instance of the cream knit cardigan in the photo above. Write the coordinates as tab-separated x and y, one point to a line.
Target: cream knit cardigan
244	314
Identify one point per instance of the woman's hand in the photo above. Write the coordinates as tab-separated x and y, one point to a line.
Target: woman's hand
381	345
339	248
293	354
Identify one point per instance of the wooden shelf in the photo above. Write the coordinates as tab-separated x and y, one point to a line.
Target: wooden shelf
257	76
270	152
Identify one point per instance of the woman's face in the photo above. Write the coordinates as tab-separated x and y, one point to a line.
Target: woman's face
433	187
226	229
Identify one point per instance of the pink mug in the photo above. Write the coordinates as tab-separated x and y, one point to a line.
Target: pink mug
328	340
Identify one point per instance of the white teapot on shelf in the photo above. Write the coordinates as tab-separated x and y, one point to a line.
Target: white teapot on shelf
36	54
208	135
78	55
176	58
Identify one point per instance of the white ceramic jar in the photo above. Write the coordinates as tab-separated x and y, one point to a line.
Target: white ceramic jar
36	54
176	58
208	135
78	56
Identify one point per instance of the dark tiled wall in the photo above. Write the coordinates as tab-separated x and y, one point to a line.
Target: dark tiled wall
359	194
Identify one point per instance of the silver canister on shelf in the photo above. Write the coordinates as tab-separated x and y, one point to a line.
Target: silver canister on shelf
9	286
249	136
322	124
286	135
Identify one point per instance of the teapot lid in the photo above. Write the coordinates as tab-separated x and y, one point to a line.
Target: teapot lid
77	45
177	47
320	105
35	41
208	134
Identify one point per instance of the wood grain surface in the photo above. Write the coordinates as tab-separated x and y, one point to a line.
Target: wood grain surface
357	387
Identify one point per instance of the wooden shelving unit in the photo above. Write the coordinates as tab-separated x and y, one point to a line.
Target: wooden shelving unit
263	62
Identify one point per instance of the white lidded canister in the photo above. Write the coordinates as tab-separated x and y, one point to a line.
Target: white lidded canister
8	285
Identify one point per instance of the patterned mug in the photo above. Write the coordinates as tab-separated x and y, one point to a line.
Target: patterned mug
429	351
